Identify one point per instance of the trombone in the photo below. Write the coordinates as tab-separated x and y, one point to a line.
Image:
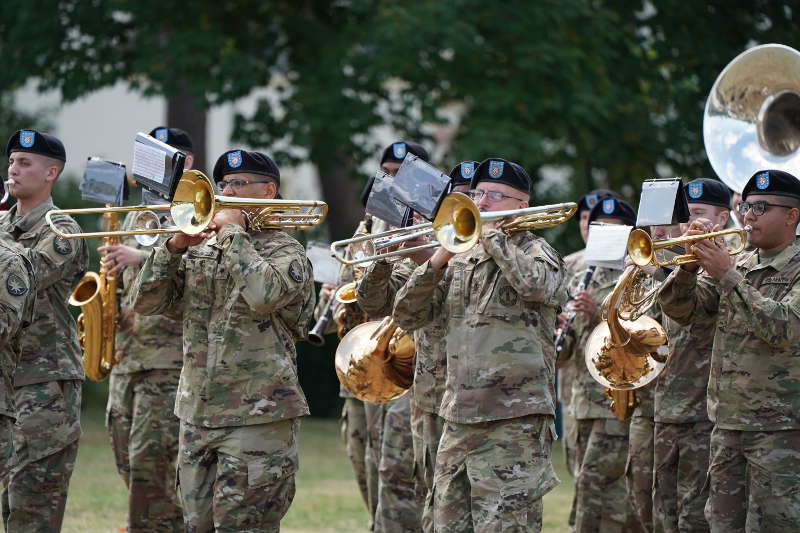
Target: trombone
194	206
642	249
456	228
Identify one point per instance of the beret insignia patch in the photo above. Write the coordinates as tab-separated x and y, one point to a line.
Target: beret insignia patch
762	180
507	295
399	150
496	169
15	285
696	189
62	246
27	138
608	206
235	159
467	169
591	200
296	271
162	134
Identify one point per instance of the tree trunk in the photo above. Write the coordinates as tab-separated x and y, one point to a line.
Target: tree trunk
184	111
341	192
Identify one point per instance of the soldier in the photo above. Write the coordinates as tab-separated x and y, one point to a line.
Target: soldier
498	303
400	509
752	393
16	311
601	448
140	414
245	297
362	423
48	377
683	430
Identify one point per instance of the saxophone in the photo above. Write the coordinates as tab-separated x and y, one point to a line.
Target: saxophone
96	295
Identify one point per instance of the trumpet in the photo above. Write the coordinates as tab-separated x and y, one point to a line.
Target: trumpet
456	228
194	206
642	249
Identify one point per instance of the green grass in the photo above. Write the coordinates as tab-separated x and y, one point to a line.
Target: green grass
327	499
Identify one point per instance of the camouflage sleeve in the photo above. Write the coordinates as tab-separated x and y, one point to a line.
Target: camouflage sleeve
16	298
686	297
531	270
158	288
775	322
55	258
266	283
380	284
420	300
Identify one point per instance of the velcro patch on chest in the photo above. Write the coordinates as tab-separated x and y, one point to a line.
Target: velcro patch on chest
507	295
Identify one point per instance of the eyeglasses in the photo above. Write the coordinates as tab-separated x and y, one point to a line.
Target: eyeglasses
759	207
493	196
237	184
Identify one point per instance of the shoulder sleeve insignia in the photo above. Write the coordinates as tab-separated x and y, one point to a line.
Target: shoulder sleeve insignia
62	246
15	285
296	271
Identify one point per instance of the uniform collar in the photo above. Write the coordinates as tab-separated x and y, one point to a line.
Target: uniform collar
29	220
780	261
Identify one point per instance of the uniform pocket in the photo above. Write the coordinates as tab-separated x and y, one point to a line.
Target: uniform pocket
261	472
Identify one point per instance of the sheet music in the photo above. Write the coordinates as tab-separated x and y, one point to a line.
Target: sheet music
607	245
148	162
326	268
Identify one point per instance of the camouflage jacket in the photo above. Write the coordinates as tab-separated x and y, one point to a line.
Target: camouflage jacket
144	342
245	299
588	396
376	292
754	360
498	303
49	348
682	389
574	263
16	311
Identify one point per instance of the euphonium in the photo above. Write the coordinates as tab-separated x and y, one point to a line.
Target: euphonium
96	295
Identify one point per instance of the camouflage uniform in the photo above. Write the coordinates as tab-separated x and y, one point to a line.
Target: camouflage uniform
753	396
639	468
376	293
245	298
140	412
600	502
16	312
567	373
498	303
47	380
683	430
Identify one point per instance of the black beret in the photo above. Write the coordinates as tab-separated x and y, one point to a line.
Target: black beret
395	152
462	173
244	162
36	143
610	207
175	137
501	171
589	200
708	191
775	182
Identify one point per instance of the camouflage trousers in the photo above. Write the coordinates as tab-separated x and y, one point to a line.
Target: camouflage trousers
569	425
639	472
680	490
237	478
45	437
6	445
491	476
144	436
754	481
426	430
601	497
374	414
399	505
354	433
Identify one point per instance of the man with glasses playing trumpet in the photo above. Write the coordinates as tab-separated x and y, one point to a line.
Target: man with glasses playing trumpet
412	424
753	397
141	391
49	374
498	303
245	296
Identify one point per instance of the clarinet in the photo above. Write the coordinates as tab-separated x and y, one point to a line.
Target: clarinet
561	334
316	337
